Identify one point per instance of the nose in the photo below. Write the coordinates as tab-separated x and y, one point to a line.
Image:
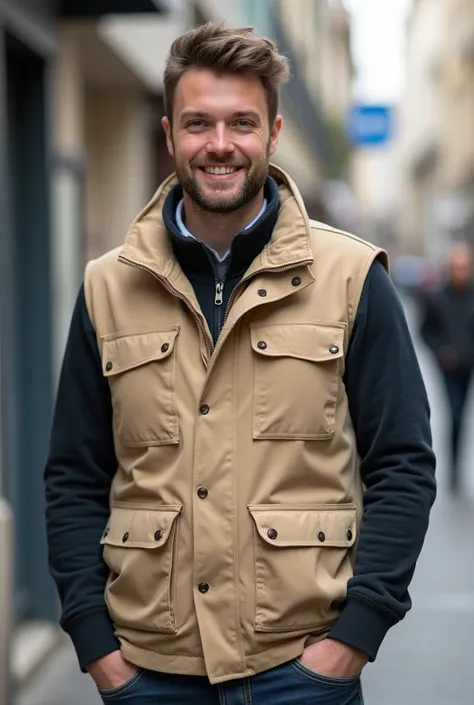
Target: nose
220	142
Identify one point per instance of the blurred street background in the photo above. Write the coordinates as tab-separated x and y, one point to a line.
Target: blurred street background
379	137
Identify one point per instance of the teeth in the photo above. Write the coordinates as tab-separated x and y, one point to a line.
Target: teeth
220	170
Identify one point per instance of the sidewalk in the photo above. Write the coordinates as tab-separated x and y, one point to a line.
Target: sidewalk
60	682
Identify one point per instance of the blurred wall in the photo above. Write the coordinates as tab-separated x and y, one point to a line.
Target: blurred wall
437	199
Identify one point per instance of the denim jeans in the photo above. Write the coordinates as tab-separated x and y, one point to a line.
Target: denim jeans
289	684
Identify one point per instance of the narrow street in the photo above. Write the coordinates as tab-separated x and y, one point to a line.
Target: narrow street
427	658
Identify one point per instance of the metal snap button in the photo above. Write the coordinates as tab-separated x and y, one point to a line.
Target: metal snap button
202	492
349	535
322	536
125	537
262	345
204	409
158	535
108	366
262	292
165	347
333	349
272	534
296	281
203	587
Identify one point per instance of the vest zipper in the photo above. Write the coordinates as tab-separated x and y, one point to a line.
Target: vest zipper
175	292
218	301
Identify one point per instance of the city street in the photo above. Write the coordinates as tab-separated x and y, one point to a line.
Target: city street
427	658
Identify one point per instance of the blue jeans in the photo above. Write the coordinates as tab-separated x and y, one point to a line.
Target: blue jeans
289	684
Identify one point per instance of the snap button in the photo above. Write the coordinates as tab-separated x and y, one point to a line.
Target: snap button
262	345
333	349
296	281
165	347
349	535
125	537
106	533
322	536
203	587
202	492
108	366
158	535
204	409
262	292
272	534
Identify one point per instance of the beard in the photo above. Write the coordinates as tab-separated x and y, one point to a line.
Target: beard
217	200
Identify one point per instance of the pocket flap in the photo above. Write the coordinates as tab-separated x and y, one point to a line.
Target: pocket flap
292	525
121	352
132	527
305	341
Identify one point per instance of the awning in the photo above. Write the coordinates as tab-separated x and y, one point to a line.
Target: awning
90	9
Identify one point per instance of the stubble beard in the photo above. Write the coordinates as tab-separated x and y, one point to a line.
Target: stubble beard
220	202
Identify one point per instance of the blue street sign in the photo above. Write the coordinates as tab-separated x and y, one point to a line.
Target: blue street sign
370	125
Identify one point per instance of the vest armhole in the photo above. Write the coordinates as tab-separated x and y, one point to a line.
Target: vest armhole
375	254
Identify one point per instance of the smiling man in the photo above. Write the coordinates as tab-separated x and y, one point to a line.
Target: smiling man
240	473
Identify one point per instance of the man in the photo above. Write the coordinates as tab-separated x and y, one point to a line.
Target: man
240	457
448	330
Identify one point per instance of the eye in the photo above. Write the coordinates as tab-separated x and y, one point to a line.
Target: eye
195	125
245	123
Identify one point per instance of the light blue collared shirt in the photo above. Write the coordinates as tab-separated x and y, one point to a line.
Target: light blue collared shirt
184	231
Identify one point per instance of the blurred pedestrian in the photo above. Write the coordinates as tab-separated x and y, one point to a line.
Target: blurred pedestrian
448	330
234	512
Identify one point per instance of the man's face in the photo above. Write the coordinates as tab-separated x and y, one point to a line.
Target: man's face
221	139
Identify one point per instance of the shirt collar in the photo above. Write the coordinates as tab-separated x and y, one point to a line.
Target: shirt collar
186	233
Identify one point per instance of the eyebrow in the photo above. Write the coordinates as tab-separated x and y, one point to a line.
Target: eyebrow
201	114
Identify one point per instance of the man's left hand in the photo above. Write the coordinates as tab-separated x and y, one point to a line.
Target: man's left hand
334	659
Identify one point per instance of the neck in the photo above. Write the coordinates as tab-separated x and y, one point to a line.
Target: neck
219	229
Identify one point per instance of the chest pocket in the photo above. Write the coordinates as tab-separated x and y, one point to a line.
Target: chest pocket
141	372
297	376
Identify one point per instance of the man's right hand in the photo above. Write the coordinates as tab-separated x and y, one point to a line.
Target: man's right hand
111	671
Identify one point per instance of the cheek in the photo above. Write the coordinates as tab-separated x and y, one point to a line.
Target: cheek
190	148
255	147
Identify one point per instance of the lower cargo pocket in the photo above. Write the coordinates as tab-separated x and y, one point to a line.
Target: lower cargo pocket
139	547
303	563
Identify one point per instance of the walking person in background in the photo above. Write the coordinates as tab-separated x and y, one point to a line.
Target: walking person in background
241	473
448	330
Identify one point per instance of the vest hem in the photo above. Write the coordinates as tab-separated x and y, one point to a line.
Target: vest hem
181	664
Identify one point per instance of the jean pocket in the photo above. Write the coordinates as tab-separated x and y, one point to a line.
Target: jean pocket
108	693
337	681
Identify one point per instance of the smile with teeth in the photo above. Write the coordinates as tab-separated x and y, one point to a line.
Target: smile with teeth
220	170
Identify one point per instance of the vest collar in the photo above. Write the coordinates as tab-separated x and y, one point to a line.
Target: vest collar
149	246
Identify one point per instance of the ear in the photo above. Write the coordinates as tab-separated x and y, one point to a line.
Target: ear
275	134
169	137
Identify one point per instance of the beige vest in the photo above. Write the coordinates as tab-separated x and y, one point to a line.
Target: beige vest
236	505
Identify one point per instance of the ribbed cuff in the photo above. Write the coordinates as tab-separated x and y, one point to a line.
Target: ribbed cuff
92	634
362	626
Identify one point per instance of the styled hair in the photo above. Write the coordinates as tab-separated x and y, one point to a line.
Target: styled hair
225	50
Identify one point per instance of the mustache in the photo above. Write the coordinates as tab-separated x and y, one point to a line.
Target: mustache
218	162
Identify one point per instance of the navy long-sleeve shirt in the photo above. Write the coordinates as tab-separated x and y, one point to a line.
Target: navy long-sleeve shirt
390	414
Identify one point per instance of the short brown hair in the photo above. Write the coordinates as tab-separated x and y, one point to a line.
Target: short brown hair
224	50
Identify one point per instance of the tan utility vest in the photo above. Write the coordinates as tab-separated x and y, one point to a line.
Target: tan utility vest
236	504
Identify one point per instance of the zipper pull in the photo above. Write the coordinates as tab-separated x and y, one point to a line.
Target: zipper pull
219	298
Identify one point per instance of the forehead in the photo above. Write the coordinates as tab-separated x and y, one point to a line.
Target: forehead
219	94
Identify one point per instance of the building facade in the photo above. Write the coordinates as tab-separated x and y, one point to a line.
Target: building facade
437	145
76	141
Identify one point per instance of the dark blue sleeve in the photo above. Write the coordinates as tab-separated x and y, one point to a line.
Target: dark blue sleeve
391	417
78	476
